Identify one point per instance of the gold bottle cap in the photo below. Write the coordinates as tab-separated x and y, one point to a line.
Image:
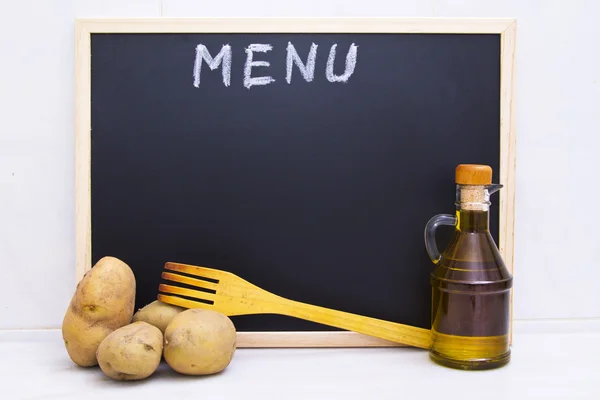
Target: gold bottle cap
473	174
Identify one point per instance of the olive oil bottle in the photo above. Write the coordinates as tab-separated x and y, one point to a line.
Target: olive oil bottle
471	285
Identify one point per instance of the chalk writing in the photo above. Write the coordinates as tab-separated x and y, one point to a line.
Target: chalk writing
223	57
308	70
249	81
293	59
350	64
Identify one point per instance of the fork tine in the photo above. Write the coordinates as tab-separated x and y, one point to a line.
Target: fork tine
189	281
196	294
194	270
181	302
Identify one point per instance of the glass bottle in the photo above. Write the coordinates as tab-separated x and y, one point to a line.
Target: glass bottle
471	285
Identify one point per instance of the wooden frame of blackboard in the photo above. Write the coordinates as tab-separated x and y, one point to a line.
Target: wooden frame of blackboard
506	28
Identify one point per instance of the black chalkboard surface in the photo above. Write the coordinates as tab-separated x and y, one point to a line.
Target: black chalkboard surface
314	186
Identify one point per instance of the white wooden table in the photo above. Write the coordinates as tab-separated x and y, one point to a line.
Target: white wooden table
34	365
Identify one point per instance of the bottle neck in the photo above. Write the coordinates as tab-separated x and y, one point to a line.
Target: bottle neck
473	221
472	208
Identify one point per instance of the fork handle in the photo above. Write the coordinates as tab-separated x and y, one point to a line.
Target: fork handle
392	331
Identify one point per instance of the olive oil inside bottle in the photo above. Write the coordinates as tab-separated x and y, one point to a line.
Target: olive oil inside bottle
471	285
471	298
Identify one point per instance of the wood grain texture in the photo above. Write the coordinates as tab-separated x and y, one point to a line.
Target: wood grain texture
85	27
473	174
508	151
236	296
309	339
83	118
296	25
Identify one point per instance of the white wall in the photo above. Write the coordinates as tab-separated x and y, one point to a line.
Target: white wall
558	133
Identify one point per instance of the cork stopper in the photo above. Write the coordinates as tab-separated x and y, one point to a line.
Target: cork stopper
473	174
474	195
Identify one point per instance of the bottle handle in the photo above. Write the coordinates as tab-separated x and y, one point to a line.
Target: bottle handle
430	229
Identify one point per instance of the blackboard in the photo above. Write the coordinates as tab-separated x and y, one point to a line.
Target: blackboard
298	182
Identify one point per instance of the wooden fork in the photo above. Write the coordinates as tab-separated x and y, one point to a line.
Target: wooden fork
232	295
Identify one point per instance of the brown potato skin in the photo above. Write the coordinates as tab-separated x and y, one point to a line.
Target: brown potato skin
158	314
132	352
199	342
103	301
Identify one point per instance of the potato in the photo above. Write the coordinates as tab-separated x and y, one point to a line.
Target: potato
158	314
132	352
199	342
103	301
